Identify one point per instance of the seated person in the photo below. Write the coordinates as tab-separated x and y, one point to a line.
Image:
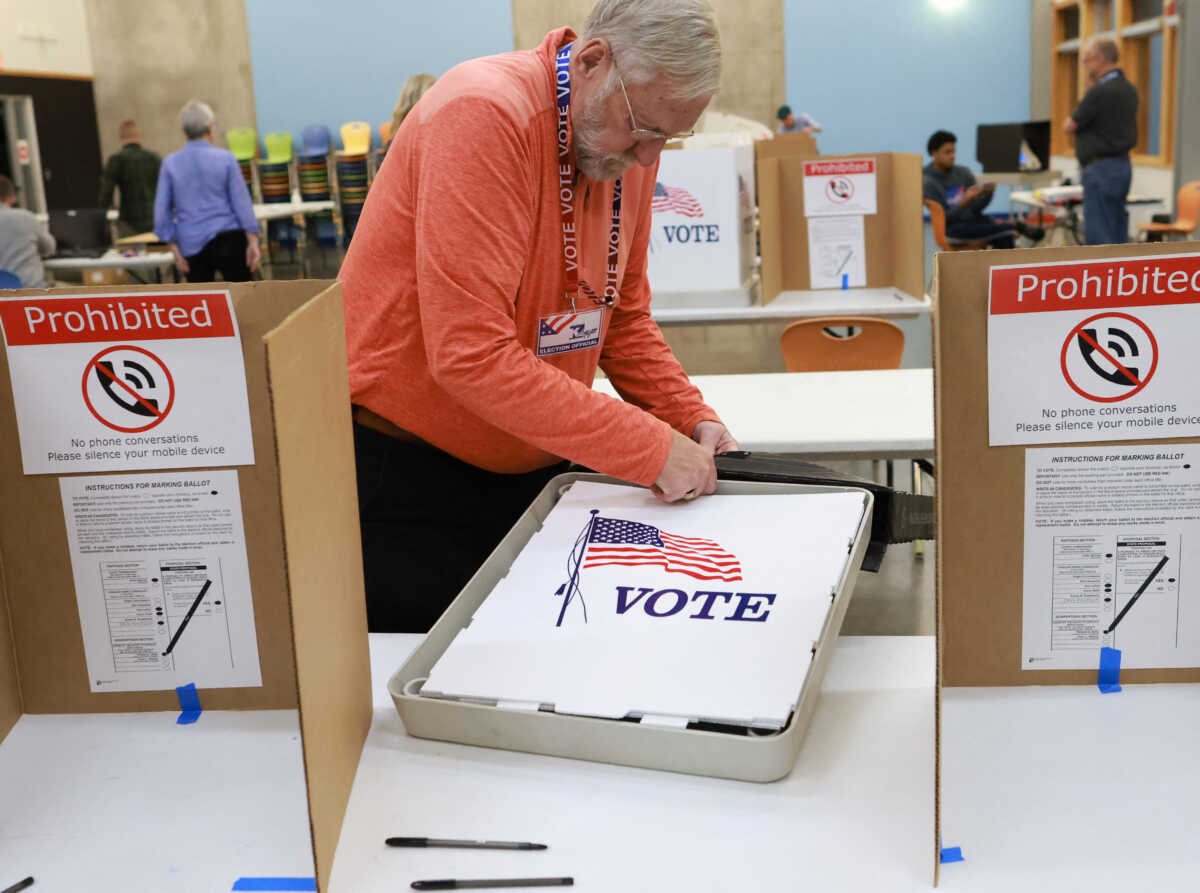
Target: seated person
23	240
954	188
789	122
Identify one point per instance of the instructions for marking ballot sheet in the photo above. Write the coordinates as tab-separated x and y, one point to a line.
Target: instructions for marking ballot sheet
162	580
1112	539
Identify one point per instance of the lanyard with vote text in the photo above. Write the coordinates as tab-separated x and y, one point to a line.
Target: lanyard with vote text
566	198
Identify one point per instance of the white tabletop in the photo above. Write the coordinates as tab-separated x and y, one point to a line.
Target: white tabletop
873	414
123	802
1057	196
1063	788
1044	788
800	305
855	814
112	259
276	210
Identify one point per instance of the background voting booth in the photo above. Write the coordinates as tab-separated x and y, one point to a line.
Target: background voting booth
1068	515
838	221
681	690
702	245
281	628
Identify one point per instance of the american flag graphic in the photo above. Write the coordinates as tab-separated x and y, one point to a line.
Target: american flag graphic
552	325
630	543
668	198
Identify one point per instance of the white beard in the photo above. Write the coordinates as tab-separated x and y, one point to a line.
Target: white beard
595	164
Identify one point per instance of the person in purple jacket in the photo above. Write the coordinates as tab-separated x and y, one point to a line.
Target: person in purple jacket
202	207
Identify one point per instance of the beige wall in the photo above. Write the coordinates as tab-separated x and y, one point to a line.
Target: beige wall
751	34
151	58
1040	22
46	36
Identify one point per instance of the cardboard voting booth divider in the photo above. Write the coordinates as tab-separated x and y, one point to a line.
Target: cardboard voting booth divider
300	513
982	490
891	234
702	234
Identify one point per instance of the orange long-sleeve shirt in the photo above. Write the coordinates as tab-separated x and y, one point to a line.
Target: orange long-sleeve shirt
457	256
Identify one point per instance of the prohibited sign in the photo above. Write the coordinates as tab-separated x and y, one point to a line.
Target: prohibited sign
128	388
1109	357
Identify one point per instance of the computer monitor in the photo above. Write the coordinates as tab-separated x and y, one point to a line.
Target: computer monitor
80	231
1010	148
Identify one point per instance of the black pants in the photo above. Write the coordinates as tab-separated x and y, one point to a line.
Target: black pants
982	228
428	522
224	253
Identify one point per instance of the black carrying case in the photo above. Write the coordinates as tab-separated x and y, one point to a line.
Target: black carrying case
898	517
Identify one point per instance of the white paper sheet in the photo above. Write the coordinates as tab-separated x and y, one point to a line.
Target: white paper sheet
590	620
1099	521
1095	350
110	382
839	186
162	580
836	246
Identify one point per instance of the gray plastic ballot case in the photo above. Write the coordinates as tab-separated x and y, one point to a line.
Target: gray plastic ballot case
699	749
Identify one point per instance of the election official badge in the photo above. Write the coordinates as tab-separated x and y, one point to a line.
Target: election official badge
568	331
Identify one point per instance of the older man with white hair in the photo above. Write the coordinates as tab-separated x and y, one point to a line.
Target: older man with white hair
499	261
202	208
1105	127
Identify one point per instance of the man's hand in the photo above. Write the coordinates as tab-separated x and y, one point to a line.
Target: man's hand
689	469
181	263
1069	125
970	194
989	188
253	252
714	437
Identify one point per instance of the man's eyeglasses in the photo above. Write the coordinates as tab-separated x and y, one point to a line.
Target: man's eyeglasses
642	134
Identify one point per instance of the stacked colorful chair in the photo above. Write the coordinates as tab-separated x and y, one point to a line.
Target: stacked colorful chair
313	168
353	174
275	182
243	143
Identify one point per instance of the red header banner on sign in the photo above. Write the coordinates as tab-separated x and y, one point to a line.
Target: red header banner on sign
826	168
101	317
1116	282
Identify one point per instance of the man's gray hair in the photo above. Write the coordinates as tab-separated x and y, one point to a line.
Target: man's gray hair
196	117
1105	47
677	38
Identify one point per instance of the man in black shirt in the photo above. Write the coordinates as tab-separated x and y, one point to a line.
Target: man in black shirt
133	171
1105	128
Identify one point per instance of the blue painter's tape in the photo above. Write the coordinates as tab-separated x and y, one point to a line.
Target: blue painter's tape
845	281
951	854
1109	678
275	883
189	703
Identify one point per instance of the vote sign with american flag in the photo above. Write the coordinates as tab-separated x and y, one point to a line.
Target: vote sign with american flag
671	198
631	543
621	543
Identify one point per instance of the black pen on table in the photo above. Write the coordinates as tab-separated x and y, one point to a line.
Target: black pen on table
495	882
19	886
464	844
